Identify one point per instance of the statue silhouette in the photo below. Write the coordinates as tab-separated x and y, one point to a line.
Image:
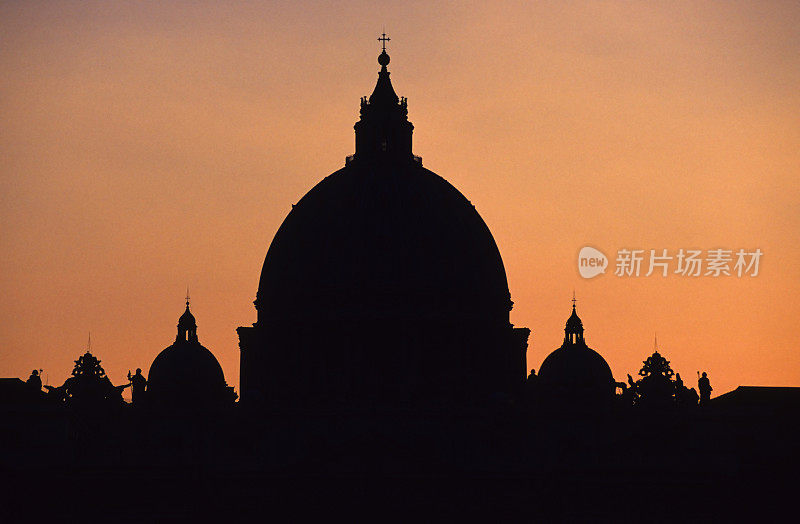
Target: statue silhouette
138	385
34	381
531	389
704	386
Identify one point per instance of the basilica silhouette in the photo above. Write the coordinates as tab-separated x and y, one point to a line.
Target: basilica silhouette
383	376
382	285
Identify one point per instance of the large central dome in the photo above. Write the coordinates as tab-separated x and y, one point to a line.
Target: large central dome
382	241
383	281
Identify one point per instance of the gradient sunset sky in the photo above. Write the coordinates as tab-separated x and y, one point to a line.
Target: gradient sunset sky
147	146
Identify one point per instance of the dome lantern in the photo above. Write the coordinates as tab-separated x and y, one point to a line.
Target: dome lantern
187	326
573	330
383	132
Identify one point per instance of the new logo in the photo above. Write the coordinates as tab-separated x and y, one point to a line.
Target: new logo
591	262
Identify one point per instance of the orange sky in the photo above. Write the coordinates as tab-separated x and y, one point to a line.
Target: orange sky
146	147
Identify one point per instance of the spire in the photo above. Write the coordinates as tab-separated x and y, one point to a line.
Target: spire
383	132
383	92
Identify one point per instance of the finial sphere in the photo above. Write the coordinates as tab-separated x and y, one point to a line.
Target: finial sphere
383	59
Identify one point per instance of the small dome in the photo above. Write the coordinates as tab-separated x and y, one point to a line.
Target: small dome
575	373
186	373
577	365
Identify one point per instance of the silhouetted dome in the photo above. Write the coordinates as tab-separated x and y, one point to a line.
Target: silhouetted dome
383	285
383	236
579	364
575	373
185	366
376	240
186	372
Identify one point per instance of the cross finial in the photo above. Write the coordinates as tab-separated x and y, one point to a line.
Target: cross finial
655	342
187	296
383	39
573	299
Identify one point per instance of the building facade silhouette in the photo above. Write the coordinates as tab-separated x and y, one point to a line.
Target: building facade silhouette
383	285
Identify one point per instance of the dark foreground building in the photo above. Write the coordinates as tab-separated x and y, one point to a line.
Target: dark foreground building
382	286
730	462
